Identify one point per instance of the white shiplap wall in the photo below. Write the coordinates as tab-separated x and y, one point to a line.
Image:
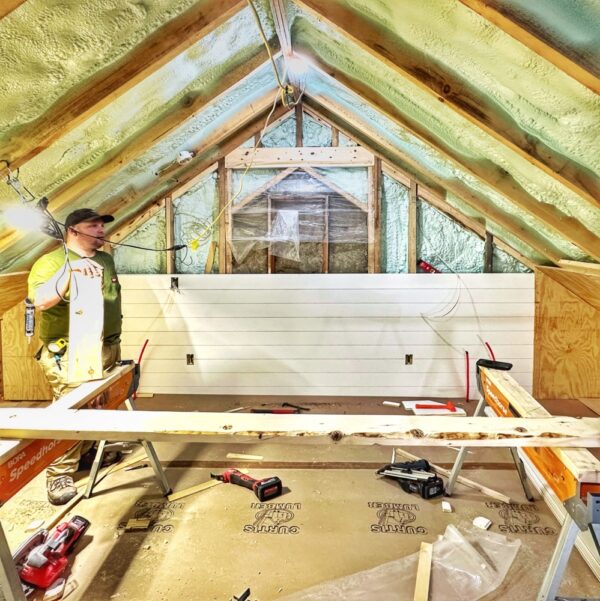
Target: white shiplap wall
343	334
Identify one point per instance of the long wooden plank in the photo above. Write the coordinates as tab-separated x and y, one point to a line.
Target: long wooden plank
540	41
337	114
448	87
169	426
156	50
592	269
423	572
487	172
349	156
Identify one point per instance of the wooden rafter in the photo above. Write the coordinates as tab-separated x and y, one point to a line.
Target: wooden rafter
282	27
7	6
447	87
136	221
538	41
487	172
156	50
346	122
580	267
349	429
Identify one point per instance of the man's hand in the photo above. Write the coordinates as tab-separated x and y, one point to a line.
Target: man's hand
87	267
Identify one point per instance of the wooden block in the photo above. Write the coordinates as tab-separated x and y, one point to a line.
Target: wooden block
244	457
193	490
423	572
137	524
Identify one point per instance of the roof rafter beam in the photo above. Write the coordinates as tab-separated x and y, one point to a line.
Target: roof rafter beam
445	86
486	172
541	44
156	50
337	115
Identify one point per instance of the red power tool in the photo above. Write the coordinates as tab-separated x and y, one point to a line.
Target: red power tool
42	563
265	489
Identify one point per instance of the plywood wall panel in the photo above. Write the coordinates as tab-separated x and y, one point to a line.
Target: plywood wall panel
567	341
344	334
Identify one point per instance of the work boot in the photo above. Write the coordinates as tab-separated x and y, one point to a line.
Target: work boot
87	459
60	489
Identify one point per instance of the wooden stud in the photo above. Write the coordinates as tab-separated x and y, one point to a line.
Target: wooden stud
423	572
412	228
346	122
325	263
354	156
376	200
8	6
299	126
160	47
270	257
223	192
455	93
170	231
488	253
210	258
335	136
488	173
229	223
576	65
395	430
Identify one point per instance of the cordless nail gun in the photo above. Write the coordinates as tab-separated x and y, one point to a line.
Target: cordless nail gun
265	489
415	477
41	559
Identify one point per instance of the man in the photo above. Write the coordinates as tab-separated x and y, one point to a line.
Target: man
49	282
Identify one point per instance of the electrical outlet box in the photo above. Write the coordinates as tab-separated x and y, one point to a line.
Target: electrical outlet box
408	359
190	358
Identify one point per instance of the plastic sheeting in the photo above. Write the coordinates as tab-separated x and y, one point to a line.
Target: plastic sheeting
305	215
394	226
465	565
151	234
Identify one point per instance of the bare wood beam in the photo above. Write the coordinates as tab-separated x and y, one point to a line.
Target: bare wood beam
538	41
486	172
223	191
592	269
156	50
412	227
354	156
299	125
170	233
347	123
254	195
333	186
373	217
282	28
446	86
335	136
343	429
228	218
8	6
488	253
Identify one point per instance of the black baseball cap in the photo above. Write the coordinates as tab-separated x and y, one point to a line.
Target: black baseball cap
80	215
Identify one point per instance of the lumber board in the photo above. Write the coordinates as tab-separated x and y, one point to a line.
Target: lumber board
586	286
168	426
423	572
86	325
347	156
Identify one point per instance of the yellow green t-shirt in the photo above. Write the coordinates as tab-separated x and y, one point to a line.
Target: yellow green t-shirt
55	321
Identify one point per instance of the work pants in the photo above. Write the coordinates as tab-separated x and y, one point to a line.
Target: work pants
56	374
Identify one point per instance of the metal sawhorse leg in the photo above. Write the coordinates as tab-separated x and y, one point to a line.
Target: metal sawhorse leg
463	451
150	452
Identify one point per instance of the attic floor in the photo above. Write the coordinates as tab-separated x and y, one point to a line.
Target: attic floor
206	546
